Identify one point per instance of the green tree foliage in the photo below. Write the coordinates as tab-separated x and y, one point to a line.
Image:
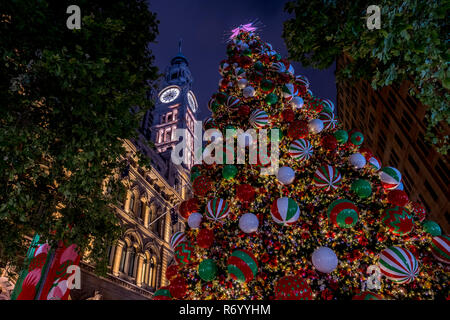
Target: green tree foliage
412	44
66	104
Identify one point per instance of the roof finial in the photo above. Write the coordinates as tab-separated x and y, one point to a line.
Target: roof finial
179	45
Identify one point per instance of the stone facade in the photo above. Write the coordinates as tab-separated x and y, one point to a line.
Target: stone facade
393	124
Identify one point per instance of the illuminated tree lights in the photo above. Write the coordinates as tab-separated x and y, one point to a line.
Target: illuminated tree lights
313	230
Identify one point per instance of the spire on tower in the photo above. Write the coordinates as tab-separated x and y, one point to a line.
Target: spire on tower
179	45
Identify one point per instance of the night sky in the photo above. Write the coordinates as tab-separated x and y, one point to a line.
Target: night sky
202	24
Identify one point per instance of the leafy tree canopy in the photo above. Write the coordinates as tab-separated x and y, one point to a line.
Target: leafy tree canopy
412	44
66	97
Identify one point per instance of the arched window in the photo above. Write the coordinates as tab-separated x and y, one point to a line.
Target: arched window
122	258
131	260
132	202
110	254
152	276
144	270
161	227
142	211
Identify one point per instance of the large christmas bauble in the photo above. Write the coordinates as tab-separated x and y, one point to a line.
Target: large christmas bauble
398	264
248	92
419	211
232	103
362	188
217	209
285	211
259	119
324	259
187	207
292	288
286	175
315	126
178	287
184	252
202	185
343	213
242	265
390	177
432	228
271	99
357	160
162	293
327	178
375	163
297	102
177	238
367	295
329	120
301	149
248	222
194	220
398	220
440	248
398	198
298	129
356	138
245	192
207	269
329	142
242	83
205	238
229	171
341	136
171	272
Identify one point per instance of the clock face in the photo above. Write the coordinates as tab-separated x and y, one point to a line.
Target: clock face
192	101
169	94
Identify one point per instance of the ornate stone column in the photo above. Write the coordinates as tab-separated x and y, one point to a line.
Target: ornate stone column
146	216
139	269
117	255
126	206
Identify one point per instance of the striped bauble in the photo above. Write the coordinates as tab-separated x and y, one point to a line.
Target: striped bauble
285	211
440	248
184	252
177	238
327	178
390	178
242	265
329	120
398	264
259	119
217	209
301	149
232	103
398	220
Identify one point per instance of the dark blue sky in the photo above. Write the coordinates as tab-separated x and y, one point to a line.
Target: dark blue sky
202	25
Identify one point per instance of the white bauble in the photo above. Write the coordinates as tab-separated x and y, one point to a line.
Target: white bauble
194	220
324	259
248	92
286	175
242	83
357	160
297	102
248	223
315	126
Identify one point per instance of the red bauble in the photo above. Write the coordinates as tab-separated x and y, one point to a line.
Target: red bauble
202	185
245	62
366	153
292	288
245	192
298	129
288	115
419	211
205	238
178	287
187	207
171	272
398	198
329	142
244	111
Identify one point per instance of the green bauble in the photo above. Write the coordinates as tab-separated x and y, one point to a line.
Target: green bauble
432	228
258	66
229	171
207	269
362	188
357	138
341	136
271	99
267	85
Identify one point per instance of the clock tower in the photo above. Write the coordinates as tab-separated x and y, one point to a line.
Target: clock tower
175	108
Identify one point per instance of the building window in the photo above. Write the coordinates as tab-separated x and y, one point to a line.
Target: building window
168	137
122	258
132	202
144	270
131	262
142	211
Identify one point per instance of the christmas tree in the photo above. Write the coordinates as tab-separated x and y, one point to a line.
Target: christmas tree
332	223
